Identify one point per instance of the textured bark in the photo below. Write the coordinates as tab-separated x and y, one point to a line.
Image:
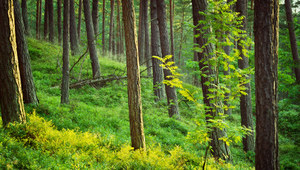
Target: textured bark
73	32
133	74
266	27
118	39
111	25
141	35
293	41
79	20
38	18
147	46
156	51
95	17
103	28
245	100
164	40
65	79
11	98
46	17
28	88
171	26
59	20
25	17
181	38
51	21
91	39
219	148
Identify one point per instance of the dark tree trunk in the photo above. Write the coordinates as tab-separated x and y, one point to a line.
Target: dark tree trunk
164	40
141	35
293	41
111	27
103	28
91	39
181	38
147	46
118	38
28	89
11	97
266	27
46	17
219	148
38	20
245	100
59	20
65	79
133	78
95	17
79	20
73	32
25	17
171	27
51	21
156	51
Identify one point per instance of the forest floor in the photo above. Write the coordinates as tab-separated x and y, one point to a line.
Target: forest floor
92	132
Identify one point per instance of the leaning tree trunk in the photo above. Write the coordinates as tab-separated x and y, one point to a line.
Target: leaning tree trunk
95	17
133	77
293	41
164	40
73	32
51	21
11	98
266	30
25	17
59	20
91	39
28	88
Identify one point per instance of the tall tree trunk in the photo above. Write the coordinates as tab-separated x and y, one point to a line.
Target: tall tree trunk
25	17
95	17
112	2
28	89
79	20
73	32
245	100
51	21
91	39
266	27
141	35
171	27
103	28
164	40
11	97
118	39
156	51
37	25
219	148
59	20
133	74
65	79
181	38
293	41
46	17
147	47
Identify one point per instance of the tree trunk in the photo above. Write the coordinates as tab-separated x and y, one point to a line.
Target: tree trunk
79	20
65	79
38	16
91	39
266	27
103	28
25	17
219	148
51	21
112	2
28	89
293	41
95	17
181	38
164	40
245	100
141	35
59	20
11	97
156	51
171	27
147	46
118	39
133	77
73	33
46	17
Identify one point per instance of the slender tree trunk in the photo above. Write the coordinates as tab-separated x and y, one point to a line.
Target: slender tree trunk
245	100
73	32
95	17
141	35
51	21
59	20
293	41
164	40
103	28
79	20
25	17
91	39
171	27
266	30
65	79
118	39
111	27
133	74
11	97
181	38
156	51
37	25
147	47
46	17
28	89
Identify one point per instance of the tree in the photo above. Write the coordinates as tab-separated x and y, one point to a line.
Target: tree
73	32
59	20
133	78
95	17
91	39
164	40
103	28
25	17
46	17
27	84
147	46
245	100
38	18
11	97
79	20
51	21
266	26
65	79
156	51
141	35
171	26
118	28
293	41
111	25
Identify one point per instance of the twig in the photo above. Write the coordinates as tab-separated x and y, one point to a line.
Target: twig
87	49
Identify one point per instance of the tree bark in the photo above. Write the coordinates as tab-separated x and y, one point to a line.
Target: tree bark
46	17
266	27
73	32
147	47
91	39
51	21
293	41
59	20
103	28
112	2
164	40
95	17
65	78
118	39
25	17
133	74
28	88
11	97
38	20
141	35
181	37
79	20
171	27
156	51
